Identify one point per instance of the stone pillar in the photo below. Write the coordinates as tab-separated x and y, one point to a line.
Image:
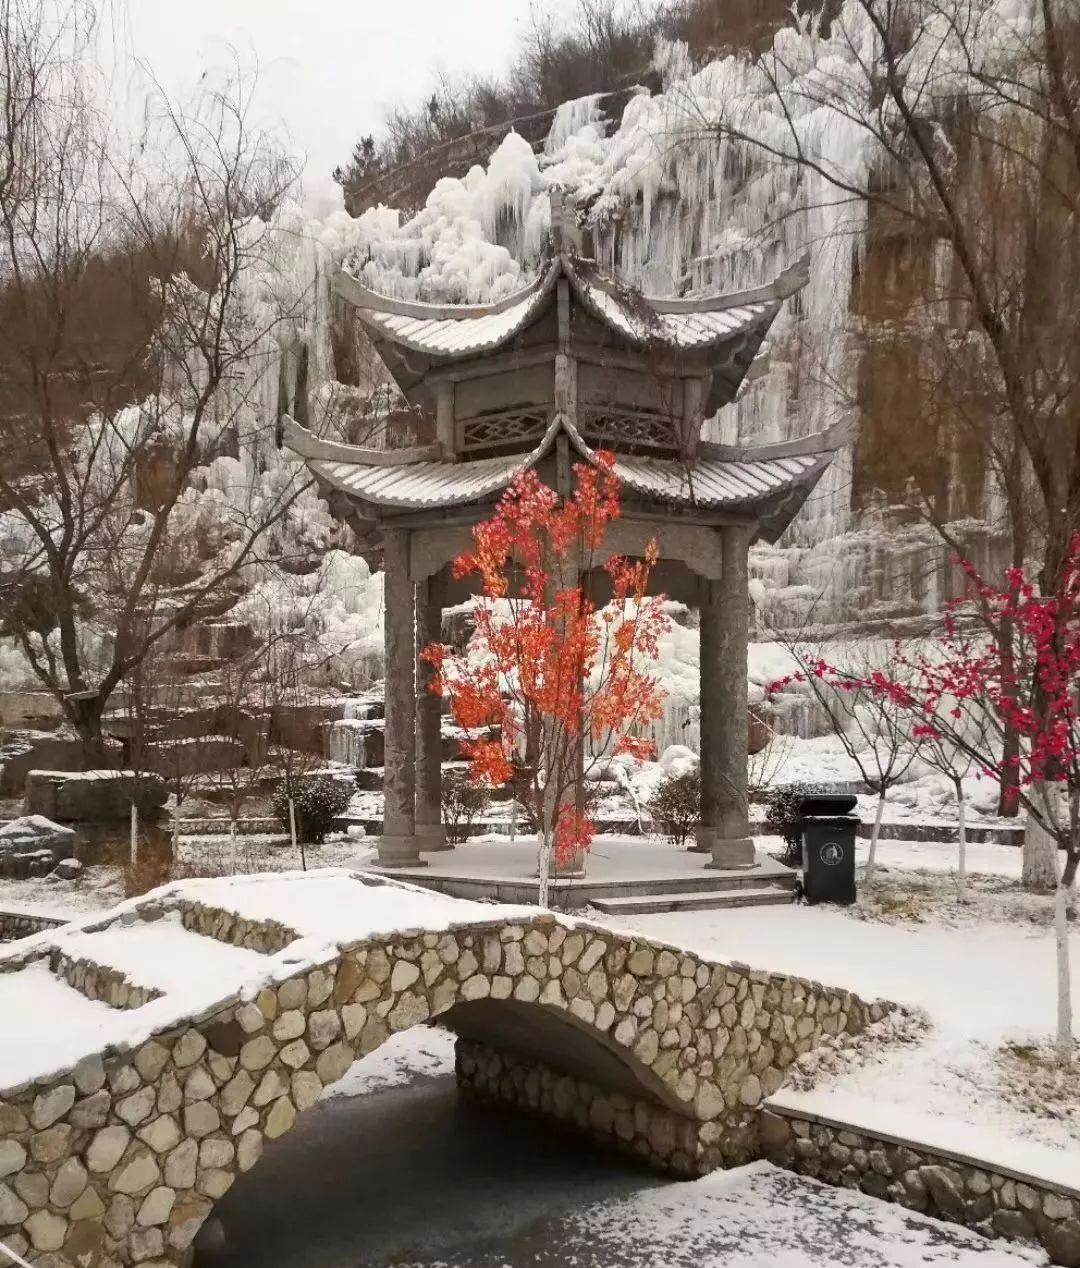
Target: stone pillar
725	621
398	845
430	833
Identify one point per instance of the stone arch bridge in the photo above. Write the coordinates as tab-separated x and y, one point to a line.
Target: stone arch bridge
149	1056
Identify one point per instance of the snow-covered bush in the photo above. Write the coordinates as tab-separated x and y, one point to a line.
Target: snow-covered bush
462	802
782	817
676	805
317	800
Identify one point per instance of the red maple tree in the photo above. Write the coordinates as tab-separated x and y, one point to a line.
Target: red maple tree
553	685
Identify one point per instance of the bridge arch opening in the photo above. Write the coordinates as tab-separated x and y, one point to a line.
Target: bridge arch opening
402	1169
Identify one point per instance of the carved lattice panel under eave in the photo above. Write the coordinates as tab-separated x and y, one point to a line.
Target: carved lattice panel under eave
522	428
622	428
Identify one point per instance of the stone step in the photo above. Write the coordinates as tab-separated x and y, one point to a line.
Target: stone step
130	963
654	904
100	981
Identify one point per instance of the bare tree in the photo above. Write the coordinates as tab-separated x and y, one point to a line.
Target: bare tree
131	329
960	165
871	727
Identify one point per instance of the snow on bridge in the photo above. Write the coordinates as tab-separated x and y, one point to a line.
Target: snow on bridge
149	1055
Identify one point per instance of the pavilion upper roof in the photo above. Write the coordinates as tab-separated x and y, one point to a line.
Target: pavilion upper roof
453	331
770	482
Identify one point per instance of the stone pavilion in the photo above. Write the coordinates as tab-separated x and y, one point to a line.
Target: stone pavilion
541	379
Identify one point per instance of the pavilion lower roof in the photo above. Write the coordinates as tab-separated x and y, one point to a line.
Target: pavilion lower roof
754	485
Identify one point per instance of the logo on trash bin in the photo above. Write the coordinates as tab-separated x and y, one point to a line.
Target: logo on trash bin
831	854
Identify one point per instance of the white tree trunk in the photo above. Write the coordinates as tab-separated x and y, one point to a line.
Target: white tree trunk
961	836
1064	974
15	1259
1039	870
176	831
134	836
292	835
544	868
872	856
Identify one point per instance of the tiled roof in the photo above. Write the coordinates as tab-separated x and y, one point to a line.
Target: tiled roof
448	331
430	484
640	323
713	482
455	336
710	482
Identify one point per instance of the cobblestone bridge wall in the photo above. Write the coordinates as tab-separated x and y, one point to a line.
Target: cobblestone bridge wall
119	1160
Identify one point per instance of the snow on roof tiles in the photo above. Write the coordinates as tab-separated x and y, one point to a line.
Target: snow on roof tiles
684	330
453	336
708	482
714	482
438	330
428	484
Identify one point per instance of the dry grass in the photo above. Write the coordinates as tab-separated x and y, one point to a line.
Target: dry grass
1036	1079
895	897
223	856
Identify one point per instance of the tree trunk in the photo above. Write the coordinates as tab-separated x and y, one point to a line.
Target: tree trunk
15	1259
961	836
292	835
176	828
1008	802
1064	974
1039	870
872	857
85	715
134	851
544	868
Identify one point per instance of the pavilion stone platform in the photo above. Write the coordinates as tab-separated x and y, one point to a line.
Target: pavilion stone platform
541	380
624	875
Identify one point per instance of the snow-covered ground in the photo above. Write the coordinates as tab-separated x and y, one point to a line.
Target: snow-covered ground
982	971
982	983
421	1052
759	1216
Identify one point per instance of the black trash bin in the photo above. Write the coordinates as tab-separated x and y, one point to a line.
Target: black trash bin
828	833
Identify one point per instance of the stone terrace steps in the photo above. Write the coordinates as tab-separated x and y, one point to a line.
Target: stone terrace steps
129	965
652	904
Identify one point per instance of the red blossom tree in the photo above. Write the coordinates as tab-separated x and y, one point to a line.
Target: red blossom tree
551	677
967	694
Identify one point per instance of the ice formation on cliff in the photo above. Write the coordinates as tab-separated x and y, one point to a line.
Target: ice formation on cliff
677	210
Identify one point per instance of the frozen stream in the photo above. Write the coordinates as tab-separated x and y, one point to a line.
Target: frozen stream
413	1175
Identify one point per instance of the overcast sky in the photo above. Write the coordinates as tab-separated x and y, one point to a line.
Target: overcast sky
327	68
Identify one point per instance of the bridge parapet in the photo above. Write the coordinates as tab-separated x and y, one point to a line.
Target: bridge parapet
131	1114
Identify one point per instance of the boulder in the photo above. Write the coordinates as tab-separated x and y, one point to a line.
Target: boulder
24	750
67	870
30	709
32	846
95	796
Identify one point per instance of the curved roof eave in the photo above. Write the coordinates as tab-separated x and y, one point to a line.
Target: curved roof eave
452	331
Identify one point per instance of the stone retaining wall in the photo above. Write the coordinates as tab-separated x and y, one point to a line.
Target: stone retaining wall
643	1129
18	924
993	1201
